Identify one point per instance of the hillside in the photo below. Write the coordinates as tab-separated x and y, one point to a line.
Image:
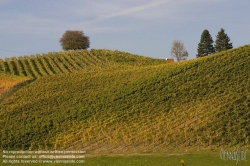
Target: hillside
10	83
52	63
18	71
133	105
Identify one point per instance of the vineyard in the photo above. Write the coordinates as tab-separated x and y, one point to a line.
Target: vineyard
36	66
31	67
9	83
111	101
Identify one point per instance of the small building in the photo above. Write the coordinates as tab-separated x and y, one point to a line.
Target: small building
170	59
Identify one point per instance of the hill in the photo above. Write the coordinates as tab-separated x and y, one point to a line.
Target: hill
133	106
10	83
52	63
18	71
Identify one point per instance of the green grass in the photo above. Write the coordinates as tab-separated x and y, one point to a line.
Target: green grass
193	159
189	160
130	105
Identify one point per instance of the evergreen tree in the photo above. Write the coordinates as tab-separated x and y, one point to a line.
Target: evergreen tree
205	47
222	41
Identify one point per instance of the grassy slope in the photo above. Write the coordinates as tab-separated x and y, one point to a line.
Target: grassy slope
197	103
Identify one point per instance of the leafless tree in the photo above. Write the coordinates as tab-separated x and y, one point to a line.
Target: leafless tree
178	50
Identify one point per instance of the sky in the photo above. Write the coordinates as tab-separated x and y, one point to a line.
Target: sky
143	27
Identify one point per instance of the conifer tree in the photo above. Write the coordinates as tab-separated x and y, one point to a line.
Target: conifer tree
205	47
222	41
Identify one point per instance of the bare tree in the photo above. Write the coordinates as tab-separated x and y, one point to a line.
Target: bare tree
178	50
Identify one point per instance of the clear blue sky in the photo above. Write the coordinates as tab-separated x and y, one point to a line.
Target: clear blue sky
144	27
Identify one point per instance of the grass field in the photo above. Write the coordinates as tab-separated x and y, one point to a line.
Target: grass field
193	159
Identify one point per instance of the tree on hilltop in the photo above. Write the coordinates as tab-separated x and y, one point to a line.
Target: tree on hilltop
178	50
205	47
222	41
74	40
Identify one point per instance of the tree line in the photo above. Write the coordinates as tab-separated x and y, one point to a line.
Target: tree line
77	40
205	46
